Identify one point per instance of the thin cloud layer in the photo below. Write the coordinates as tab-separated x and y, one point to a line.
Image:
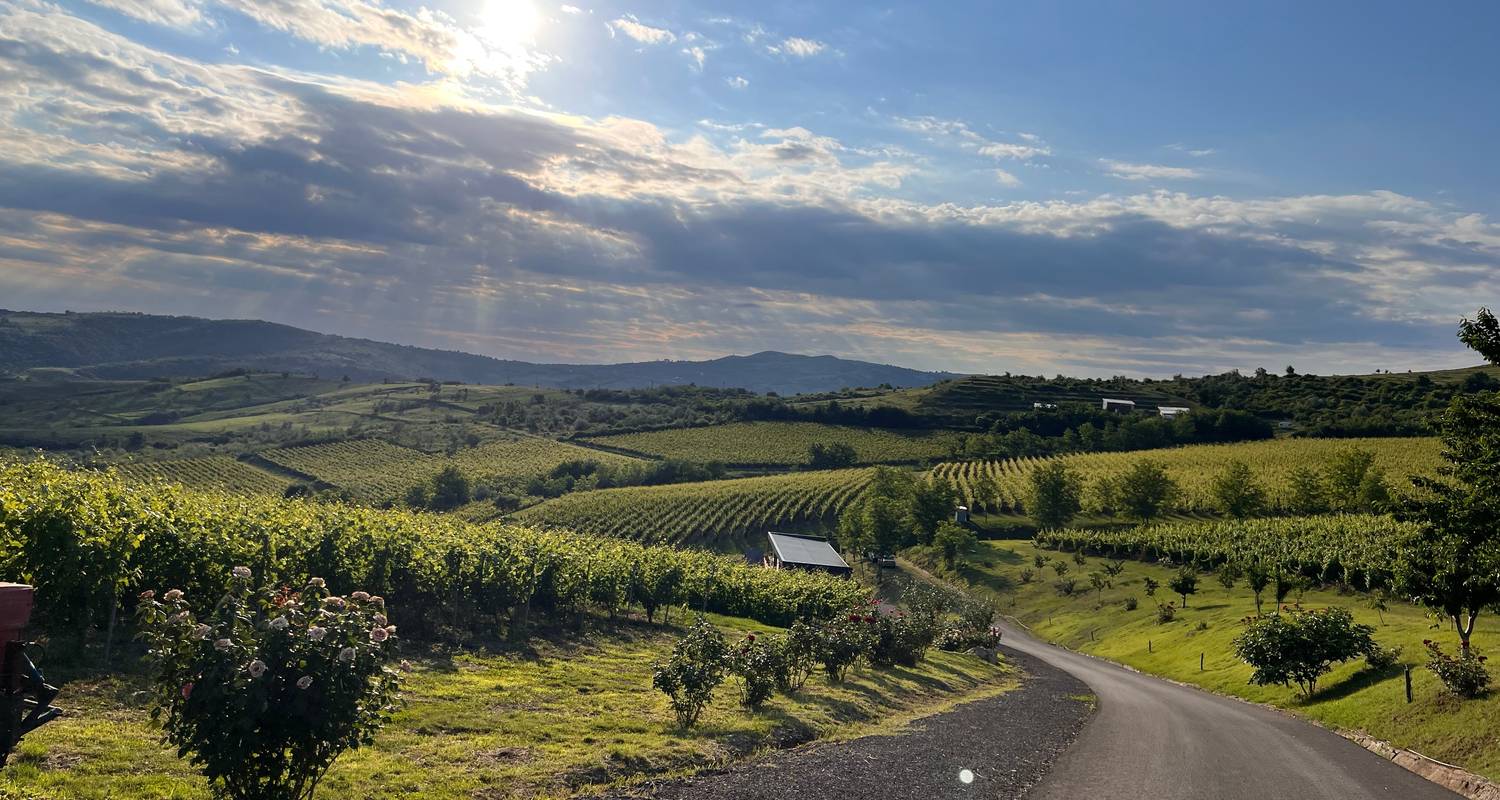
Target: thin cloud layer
424	213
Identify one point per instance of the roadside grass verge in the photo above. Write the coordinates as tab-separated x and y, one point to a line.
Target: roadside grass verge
1352	696
569	714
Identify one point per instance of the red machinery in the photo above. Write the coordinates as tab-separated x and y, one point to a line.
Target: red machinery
25	697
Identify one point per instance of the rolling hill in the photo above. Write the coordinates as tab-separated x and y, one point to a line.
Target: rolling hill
135	346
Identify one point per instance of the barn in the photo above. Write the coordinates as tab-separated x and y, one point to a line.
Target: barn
1118	406
812	553
1172	412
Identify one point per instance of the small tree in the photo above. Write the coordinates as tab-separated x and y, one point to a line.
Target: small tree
1308	495
831	456
1100	582
1146	490
1257	578
1055	496
1227	574
1060	567
1114	568
932	505
450	489
1237	493
695	668
1184	583
1152	585
269	688
1302	646
954	540
1355	483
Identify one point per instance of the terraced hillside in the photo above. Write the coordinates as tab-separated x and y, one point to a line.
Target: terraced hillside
784	443
709	513
1001	485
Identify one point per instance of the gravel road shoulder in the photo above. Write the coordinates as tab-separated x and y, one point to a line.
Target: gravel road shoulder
1008	742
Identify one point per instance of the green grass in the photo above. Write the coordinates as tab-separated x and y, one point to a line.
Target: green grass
569	715
1466	733
783	443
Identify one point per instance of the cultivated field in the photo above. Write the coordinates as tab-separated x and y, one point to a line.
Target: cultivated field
209	472
688	512
783	443
1002	485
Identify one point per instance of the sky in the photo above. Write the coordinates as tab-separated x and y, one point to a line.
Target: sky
1074	187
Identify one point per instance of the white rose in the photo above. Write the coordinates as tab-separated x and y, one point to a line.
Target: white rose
257	668
240	572
379	634
361	596
201	631
317	634
304	681
223	644
318	582
279	624
172	596
380	620
346	655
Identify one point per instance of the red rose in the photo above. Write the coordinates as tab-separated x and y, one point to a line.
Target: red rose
751	637
854	618
187	690
869	619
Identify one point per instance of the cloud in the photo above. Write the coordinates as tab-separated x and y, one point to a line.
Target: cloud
406	212
1194	152
645	34
737	82
799	47
1006	179
1145	172
958	132
697	54
170	13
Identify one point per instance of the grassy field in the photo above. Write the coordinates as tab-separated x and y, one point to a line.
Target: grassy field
783	443
1352	697
1002	485
716	513
569	715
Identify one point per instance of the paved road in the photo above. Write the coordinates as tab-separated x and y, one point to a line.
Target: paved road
1151	738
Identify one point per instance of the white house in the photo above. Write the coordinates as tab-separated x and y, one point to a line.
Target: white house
1171	412
1121	406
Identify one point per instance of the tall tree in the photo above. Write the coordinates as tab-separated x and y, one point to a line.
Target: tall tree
1453	565
1146	490
1237	493
1055	497
931	504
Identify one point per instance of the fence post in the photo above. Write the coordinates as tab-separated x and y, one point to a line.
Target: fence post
1408	683
1200	662
1148	645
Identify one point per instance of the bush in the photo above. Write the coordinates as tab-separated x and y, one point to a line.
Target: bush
953	540
1165	612
695	668
1301	646
759	664
1152	585
843	641
1026	576
1381	658
268	690
799	655
1464	674
1066	587
957	638
901	639
1131	603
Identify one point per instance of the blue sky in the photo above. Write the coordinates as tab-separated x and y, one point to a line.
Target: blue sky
1086	188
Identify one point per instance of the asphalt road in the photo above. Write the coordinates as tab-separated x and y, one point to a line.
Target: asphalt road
1155	739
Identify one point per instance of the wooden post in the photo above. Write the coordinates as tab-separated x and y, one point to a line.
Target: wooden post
1408	683
1200	662
1148	645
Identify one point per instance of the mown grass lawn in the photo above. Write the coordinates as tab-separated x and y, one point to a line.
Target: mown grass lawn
571	714
1466	733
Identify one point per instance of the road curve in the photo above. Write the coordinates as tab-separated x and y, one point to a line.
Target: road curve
1155	739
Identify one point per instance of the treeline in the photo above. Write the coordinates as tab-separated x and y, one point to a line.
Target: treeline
1078	429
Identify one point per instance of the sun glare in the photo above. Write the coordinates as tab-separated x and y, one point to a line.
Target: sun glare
508	24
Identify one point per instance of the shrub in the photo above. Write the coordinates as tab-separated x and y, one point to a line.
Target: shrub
901	639
760	666
957	638
1078	558
1026	576
1464	674
1038	560
268	689
1184	583
1381	658
1152	585
843	641
1066	587
953	540
1165	612
1131	603
1301	646
695	668
799	655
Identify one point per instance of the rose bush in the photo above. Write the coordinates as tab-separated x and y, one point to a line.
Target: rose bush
1464	675
759	664
266	690
695	668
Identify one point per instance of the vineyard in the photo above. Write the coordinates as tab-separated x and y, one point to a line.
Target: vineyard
210	472
1355	549
373	471
784	443
87	539
1001	485
684	512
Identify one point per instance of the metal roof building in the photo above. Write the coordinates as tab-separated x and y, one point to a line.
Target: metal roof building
795	551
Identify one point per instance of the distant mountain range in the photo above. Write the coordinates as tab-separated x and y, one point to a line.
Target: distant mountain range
138	346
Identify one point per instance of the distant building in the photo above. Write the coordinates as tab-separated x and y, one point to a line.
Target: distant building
812	553
1043	406
1120	406
1172	411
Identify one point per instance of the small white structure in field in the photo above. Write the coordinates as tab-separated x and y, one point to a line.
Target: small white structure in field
811	553
1172	411
1039	406
1121	406
961	515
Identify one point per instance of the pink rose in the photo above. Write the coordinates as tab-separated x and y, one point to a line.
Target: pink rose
379	634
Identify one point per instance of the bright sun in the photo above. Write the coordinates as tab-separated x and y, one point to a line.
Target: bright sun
508	23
